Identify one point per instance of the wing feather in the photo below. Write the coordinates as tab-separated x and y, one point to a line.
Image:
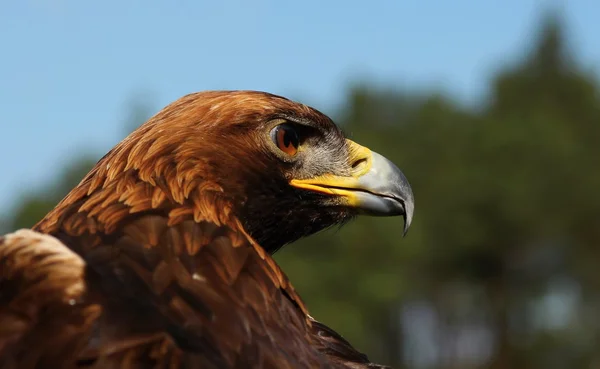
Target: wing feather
196	290
44	316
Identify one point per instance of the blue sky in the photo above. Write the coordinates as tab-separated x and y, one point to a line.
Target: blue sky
68	68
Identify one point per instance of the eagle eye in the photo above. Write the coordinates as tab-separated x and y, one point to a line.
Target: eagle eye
286	138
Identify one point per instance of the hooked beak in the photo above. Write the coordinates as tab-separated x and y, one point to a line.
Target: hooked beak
375	187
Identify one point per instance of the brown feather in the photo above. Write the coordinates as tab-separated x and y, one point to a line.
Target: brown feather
44	316
152	265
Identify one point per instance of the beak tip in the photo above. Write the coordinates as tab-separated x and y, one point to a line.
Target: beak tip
405	231
409	209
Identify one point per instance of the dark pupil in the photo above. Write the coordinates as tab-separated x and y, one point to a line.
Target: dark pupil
289	137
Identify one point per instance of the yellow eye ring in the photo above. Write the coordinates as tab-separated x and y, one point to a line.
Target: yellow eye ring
286	138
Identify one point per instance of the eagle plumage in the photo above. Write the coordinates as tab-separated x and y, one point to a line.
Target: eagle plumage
161	256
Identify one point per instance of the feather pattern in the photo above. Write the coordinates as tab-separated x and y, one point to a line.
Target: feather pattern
148	262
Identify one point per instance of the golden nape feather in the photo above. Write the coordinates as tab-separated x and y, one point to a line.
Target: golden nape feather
161	256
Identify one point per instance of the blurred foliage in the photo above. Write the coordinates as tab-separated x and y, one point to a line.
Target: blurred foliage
500	267
506	214
36	205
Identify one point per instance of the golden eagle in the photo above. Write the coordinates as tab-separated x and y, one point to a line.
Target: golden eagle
161	256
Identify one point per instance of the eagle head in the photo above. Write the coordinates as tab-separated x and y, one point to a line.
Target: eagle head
283	170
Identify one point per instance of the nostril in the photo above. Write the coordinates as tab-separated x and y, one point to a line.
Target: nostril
359	163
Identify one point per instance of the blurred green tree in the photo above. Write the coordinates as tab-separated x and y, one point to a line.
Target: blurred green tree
502	195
